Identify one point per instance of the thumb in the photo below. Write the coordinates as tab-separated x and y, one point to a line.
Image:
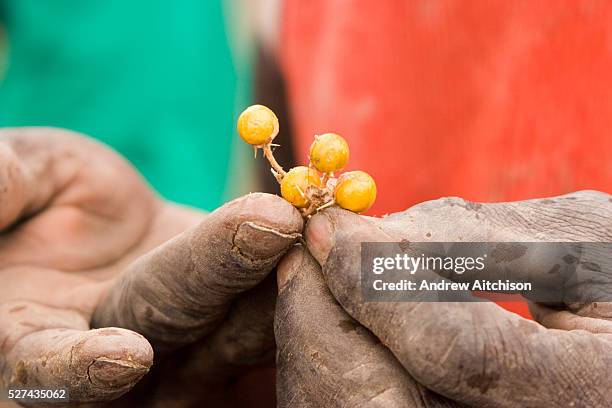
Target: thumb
182	290
44	347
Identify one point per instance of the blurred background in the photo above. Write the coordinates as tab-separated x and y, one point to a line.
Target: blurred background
161	82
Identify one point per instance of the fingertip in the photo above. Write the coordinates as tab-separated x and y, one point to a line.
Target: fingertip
320	236
323	228
566	320
266	225
113	342
109	373
288	266
334	238
270	209
93	365
116	358
257	242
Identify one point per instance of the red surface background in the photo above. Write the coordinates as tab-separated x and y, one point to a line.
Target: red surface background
489	100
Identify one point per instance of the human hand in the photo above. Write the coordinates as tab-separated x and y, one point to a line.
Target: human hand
476	354
325	358
86	246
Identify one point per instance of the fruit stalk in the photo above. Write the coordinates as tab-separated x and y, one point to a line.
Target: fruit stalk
278	169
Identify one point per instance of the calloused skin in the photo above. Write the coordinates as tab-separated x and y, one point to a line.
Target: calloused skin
337	350
100	278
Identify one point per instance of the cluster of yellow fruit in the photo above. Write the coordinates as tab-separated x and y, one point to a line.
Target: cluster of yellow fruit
311	187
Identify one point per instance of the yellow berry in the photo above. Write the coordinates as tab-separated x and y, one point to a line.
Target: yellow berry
355	191
257	125
295	183
329	153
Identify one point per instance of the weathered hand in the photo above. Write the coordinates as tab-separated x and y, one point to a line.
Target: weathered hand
327	359
473	353
87	245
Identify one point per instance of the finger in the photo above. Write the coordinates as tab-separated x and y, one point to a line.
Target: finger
583	216
576	271
476	353
565	320
92	365
596	310
180	291
325	358
58	182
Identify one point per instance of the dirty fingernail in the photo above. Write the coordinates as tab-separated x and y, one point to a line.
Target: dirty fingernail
259	242
109	373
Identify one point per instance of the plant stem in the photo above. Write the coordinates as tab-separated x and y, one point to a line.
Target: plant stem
277	167
324	179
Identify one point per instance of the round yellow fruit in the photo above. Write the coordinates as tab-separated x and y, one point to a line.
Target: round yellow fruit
355	191
257	125
295	183
329	153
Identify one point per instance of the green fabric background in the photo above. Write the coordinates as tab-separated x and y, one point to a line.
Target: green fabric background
154	79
